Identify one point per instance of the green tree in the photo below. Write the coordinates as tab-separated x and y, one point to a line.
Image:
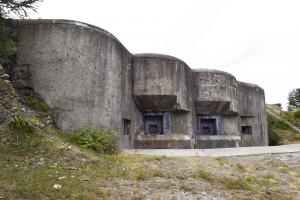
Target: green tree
294	99
15	9
7	45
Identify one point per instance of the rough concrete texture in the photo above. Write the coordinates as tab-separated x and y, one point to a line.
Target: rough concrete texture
161	83
252	111
153	101
79	70
215	92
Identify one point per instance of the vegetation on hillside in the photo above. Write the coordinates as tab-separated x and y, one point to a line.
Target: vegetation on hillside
292	116
280	132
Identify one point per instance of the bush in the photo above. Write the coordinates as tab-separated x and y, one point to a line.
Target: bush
22	124
99	140
297	114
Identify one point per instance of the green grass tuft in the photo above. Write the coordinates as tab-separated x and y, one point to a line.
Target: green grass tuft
202	173
236	183
22	125
41	108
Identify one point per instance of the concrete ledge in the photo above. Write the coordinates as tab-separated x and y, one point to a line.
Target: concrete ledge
240	151
163	137
159	56
163	142
214	71
217	141
218	137
250	85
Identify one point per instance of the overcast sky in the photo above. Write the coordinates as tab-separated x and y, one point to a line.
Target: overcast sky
258	41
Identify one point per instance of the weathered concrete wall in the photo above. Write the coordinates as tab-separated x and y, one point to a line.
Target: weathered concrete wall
81	71
161	83
179	123
217	141
215	92
89	77
164	83
252	110
231	125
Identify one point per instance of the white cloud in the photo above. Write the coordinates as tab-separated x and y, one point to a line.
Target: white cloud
256	40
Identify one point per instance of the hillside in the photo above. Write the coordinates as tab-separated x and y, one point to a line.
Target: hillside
283	126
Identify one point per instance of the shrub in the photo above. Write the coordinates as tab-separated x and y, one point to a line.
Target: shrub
99	140
22	124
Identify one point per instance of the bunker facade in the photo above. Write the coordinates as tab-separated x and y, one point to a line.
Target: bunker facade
152	101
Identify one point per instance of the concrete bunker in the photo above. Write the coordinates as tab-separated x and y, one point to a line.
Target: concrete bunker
150	100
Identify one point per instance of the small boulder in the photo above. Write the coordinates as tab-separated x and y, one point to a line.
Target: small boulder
57	186
5	76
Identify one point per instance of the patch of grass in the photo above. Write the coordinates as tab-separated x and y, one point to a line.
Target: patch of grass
296	174
240	167
236	183
268	178
250	178
222	161
278	164
99	140
104	193
203	174
40	107
141	175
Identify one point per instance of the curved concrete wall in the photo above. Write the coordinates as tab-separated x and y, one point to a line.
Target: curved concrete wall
252	111
161	83
215	92
79	70
88	77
